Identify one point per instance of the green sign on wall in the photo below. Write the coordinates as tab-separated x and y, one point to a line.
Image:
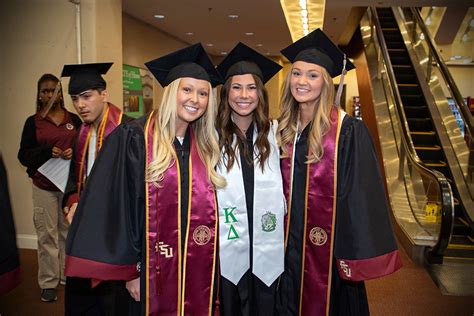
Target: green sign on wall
137	91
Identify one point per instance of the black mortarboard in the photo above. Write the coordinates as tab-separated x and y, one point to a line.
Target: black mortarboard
244	60
317	48
85	76
191	61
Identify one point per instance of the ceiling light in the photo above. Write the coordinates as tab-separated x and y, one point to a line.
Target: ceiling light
304	13
233	16
305	26
209	44
259	45
304	20
189	33
305	32
249	33
303	4
223	53
159	16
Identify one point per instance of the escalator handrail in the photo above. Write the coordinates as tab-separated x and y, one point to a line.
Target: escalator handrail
450	83
447	209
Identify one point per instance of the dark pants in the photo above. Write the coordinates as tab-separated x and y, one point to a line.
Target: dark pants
109	298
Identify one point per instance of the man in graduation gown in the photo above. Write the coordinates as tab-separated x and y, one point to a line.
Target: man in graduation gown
162	234
88	91
9	261
338	227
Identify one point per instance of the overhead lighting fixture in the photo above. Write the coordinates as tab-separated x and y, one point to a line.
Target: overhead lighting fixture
233	16
223	53
249	33
209	44
303	4
259	45
303	16
159	16
189	33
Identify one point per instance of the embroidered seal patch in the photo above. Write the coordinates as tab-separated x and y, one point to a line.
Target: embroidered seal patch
201	235
69	126
268	222
318	236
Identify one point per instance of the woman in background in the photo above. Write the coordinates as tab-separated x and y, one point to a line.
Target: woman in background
50	133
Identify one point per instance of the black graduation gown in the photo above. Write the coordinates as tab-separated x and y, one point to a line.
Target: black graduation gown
359	184
9	261
251	296
122	204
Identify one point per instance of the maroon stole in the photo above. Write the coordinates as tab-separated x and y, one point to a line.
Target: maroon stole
112	118
179	283
320	214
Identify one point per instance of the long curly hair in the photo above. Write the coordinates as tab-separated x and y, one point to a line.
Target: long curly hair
226	128
320	124
164	134
42	79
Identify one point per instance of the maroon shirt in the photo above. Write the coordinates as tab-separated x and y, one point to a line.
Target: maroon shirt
62	136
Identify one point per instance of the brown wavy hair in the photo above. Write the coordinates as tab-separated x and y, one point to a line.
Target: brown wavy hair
226	128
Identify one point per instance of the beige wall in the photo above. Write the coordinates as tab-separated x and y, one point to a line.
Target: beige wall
39	36
35	40
142	43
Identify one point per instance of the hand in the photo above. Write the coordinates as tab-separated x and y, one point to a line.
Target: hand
67	154
133	287
70	211
57	152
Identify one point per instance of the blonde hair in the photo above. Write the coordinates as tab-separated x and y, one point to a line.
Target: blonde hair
164	132
287	126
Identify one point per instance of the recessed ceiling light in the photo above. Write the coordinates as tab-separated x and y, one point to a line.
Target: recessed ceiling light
233	16
159	16
304	13
189	33
209	44
259	45
267	53
223	53
249	33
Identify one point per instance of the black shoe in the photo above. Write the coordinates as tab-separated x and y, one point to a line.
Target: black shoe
48	295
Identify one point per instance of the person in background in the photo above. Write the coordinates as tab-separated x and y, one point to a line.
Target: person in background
251	206
338	227
50	133
148	213
9	261
88	91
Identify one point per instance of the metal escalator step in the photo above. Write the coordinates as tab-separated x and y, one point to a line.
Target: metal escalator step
392	29
423	133
428	148
435	164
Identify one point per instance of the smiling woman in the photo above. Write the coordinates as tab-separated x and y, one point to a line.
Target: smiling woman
165	221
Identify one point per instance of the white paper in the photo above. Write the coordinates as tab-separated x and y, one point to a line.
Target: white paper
57	171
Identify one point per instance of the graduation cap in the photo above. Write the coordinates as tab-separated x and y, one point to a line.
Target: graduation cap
191	61
317	48
85	76
244	60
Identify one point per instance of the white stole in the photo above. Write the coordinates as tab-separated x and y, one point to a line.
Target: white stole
268	219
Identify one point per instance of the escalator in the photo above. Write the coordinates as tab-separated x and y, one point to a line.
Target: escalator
424	135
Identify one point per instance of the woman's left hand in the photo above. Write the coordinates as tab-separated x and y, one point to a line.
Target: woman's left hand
133	287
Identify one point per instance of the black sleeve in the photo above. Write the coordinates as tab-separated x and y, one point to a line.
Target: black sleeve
31	154
363	227
109	222
71	185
